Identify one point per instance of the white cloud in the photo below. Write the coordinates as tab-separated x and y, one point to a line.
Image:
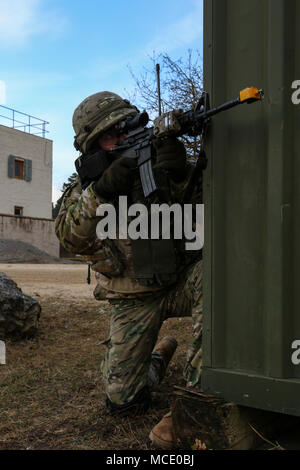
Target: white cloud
22	19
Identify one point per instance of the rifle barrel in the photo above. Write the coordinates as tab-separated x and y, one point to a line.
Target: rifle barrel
221	107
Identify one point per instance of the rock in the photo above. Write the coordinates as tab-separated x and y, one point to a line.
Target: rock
19	313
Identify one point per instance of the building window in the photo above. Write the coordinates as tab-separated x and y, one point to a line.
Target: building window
19	169
18	210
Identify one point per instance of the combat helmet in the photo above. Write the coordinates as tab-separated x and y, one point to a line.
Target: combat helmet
96	114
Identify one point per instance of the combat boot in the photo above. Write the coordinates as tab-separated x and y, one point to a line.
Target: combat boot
166	347
162	435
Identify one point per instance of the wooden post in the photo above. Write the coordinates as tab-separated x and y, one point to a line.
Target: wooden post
205	422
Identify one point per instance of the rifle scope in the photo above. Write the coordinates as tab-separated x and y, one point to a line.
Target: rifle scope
132	123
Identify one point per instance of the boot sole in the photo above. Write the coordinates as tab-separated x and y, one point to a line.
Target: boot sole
156	441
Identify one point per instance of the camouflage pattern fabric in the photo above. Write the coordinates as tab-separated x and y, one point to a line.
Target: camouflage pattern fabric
129	363
96	114
135	323
75	225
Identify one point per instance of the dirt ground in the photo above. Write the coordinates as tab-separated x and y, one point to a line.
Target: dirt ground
52	280
51	391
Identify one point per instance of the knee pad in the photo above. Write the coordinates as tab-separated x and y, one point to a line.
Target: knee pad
138	406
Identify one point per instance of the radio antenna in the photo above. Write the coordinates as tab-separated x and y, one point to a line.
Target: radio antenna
158	88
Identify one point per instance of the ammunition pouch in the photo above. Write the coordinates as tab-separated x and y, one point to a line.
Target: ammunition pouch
106	260
154	262
157	261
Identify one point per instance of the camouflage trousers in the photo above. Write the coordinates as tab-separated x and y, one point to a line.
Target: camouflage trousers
129	363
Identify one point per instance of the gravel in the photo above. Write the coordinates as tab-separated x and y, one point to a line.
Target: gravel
14	251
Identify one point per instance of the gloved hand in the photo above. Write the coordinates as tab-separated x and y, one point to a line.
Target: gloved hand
170	155
117	178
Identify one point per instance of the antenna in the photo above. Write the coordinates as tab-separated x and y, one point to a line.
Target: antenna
158	87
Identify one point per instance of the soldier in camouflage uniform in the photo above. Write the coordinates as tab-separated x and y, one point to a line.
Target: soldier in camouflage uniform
132	365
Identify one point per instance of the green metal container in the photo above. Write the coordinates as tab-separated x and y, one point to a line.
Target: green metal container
252	205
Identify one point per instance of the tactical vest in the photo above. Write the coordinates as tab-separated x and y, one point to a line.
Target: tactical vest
144	265
156	261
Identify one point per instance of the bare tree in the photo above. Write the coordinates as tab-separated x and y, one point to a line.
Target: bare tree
181	88
56	207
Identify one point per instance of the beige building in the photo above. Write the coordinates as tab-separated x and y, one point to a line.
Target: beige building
25	174
26	186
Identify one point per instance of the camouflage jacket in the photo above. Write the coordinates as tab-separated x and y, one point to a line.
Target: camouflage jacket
111	260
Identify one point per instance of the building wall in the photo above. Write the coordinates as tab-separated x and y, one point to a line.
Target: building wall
37	232
35	195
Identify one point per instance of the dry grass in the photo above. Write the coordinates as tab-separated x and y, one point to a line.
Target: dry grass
51	390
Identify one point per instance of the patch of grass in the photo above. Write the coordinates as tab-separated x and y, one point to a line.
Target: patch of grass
51	391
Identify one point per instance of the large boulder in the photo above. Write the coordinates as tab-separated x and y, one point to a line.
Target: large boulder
19	313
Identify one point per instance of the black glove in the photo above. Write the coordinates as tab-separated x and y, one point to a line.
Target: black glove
170	155
117	179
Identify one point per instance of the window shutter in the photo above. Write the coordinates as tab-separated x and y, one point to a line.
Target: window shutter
11	161
28	170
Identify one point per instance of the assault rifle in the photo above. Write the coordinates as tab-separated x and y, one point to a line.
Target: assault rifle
138	143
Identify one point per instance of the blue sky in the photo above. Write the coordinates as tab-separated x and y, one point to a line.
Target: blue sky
55	53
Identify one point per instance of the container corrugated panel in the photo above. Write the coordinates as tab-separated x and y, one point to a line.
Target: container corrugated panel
252	205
